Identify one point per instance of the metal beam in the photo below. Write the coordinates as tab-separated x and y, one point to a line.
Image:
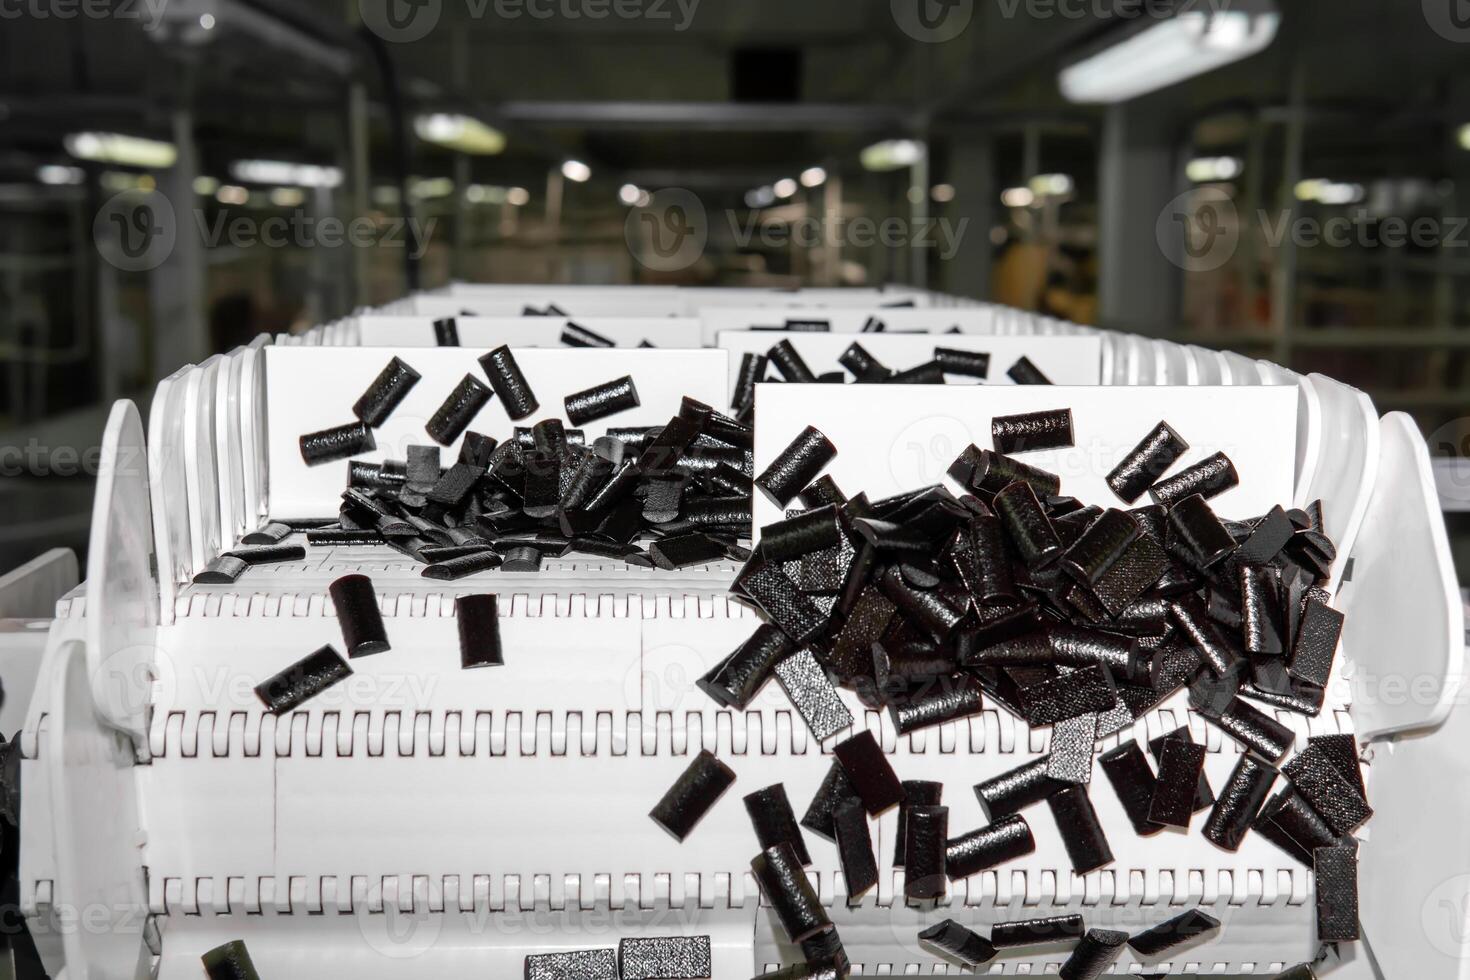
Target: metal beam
724	116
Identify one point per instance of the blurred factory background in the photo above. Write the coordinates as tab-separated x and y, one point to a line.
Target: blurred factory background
1293	184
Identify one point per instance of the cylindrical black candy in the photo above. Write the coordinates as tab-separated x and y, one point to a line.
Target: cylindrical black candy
692	795
1208	478
339	443
779	873
479	631
963	944
796	466
575	335
994	582
1262	602
1005	840
221	570
790	363
230	962
916	792
601	401
864	366
940	699
1239	802
1195	526
808	532
752	372
928	608
1014	791
390	387
834	791
1179	930
273	532
1302	972
1188	613
1128	771
1032	431
267	554
926	836
1147	463
457	568
1037	932
1077	646
822	491
356	602
774	822
825	949
1256	730
458	411
855	848
1086	844
992	472
1023	372
1097	951
1027	525
509	383
302	681
928	373
965	363
388	475
446	332
1101	545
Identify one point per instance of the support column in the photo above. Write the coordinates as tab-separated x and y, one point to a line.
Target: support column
971	214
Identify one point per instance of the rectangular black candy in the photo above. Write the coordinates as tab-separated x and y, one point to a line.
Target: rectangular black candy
834	791
1316	777
1128	771
774	822
855	849
580	964
356	603
1094	955
1336	873
1081	692
1315	648
1087	845
479	631
1176	932
697	789
926	840
812	694
959	942
869	772
1181	764
665	958
1037	932
916	792
1290	823
1343	751
302	681
685	551
1073	745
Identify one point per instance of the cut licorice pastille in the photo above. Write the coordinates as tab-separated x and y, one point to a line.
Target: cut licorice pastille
815	699
1336	879
942	699
774	822
1083	691
1082	834
1147	463
752	372
1073	745
577	964
302	681
1005	840
790	363
1028	526
869	772
696	790
1014	791
458	411
1261	604
916	792
1315	648
963	944
272	532
990	472
1208	478
1181	764
463	566
855	849
665	958
340	442
1213	648
221	570
1255	729
863	365
1023	372
575	335
965	363
1128	771
1239	802
926	840
1178	931
1094	955
388	389
1290	822
736	680
1194	526
685	551
808	532
510	384
796	466
479	631
230	961
785	886
601	401
1322	784
1032	431
825	950
269	554
1103	542
1048	931
927	373
446	332
820	813
356	602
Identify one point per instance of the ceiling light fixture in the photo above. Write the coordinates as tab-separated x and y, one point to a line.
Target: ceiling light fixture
117	148
892	155
577	171
463	133
285	173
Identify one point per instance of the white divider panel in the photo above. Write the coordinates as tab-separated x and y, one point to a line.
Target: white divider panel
1065	360
201	453
309	389
516	304
252	430
850	319
229	461
528	331
168	490
895	438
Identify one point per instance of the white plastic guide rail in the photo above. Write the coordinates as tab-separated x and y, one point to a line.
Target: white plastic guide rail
850	320
487	332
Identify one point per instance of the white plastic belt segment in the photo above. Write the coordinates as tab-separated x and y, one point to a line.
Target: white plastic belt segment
486	333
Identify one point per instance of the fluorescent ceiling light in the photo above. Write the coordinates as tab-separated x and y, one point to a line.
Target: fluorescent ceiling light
126	151
576	170
1052	185
1166	52
463	133
813	177
55	175
892	155
1204	170
785	187
285	173
1330	192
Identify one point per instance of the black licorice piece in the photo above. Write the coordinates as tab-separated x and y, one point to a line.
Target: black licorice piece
1315	648
337	535
1073	746
446	332
685	551
1087	845
813	696
1181	764
1208	478
1196	528
268	554
697	789
229	962
1240	801
522	558
863	365
458	411
273	532
1139	569
302	681
869	772
808	532
1014	791
782	880
1094	955
479	631
1289	822
1261	604
1047	931
458	568
509	383
825	949
774	822
1105	541
1181	929
927	373
1256	730
855	849
970	949
1005	840
356	602
338	443
1023	372
1029	528
736	680
1032	431
916	792
601	401
777	595
926	837
1118	656
1336	878
1083	691
796	466
991	472
1214	650
578	964
834	791
790	363
1317	779
940	700
752	372
575	335
1301	972
1147	463
388	389
222	570
665	958
965	363
1128	771
1342	751
930	609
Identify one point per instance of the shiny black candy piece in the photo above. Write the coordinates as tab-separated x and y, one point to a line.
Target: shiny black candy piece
229	962
578	964
790	363
222	570
752	372
1315	648
601	401
926	839
782	880
338	443
1014	791
696	790
796	466
356	602
302	681
1083	691
1005	840
774	823
1028	526
1023	372
1033	431
463	566
1178	931
820	813
272	532
736	681
685	551
446	332
575	335
1208	478
964	945
855	849
965	363
806	533
1047	931
479	631
869	772
916	792
388	389
458	411
1097	951
1082	834
991	472
1204	796
863	365
1336	876
509	383
1147	463
1128	771
1181	764
1194	527
1101	545
1289	822
940	699
1239	803
1256	730
1318	780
